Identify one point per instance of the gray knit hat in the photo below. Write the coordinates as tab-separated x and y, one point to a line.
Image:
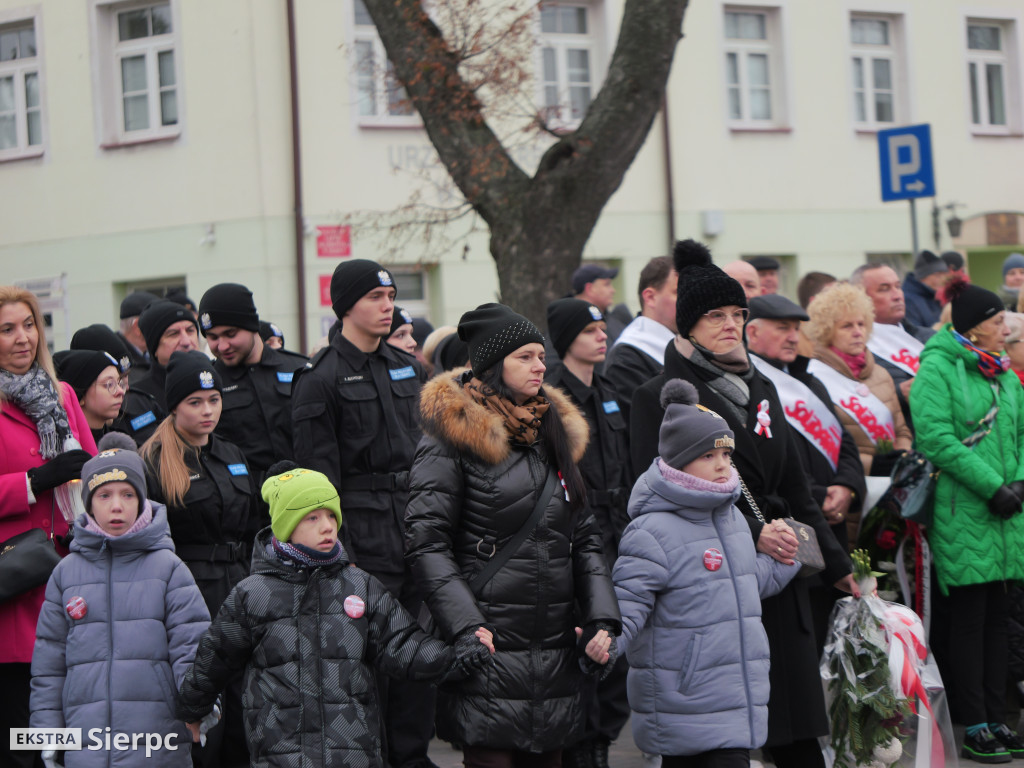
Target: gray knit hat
689	430
110	466
927	263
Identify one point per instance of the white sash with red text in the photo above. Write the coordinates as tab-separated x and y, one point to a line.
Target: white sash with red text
805	411
895	345
854	397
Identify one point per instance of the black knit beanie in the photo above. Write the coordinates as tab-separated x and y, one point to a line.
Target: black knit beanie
702	285
399	318
81	367
972	304
354	279
689	430
158	317
451	353
494	331
99	338
134	303
189	372
269	329
228	304
178	296
566	320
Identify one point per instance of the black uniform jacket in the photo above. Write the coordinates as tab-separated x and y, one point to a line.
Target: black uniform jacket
626	369
145	405
355	418
605	465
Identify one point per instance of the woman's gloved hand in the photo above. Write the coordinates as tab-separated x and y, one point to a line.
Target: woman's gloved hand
58	470
1017	486
471	653
882	465
1004	503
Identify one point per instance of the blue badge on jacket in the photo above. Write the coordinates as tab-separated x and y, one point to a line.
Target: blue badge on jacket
141	421
397	374
238	469
610	406
285	378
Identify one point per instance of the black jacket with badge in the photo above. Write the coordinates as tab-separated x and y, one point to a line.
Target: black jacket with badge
209	528
309	640
257	407
355	418
605	465
141	414
627	368
772	471
472	490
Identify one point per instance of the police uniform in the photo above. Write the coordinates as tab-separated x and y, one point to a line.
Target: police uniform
141	414
139	361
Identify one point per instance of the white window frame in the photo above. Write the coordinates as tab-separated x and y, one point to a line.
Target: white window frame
18	69
773	47
1009	57
382	77
108	52
560	116
895	53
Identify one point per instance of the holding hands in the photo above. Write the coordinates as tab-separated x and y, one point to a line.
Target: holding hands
597	647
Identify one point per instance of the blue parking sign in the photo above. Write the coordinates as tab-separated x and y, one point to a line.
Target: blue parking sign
905	162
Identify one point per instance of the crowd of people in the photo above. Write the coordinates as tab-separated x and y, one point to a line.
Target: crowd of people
516	539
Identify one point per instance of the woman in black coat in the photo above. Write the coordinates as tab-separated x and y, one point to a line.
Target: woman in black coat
709	353
492	437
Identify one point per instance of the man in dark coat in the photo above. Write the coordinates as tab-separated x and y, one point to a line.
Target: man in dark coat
131	335
919	287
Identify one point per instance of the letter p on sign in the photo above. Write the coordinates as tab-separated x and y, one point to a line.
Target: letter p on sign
905	162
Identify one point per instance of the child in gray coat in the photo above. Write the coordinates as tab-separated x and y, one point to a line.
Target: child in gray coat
689	584
119	627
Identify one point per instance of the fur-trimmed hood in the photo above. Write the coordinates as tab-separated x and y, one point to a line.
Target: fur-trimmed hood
451	415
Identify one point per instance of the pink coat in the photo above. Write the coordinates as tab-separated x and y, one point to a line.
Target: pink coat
19	451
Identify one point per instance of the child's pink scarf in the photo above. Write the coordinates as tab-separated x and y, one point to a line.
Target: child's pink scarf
693	483
140	522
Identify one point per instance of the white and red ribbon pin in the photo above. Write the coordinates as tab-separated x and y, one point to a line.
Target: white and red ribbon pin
764	421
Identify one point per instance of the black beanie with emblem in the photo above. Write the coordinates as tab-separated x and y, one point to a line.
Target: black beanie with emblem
354	279
493	332
566	320
81	367
189	372
702	286
228	304
99	338
158	317
399	318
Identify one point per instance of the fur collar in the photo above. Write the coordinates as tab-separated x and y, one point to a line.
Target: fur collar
451	415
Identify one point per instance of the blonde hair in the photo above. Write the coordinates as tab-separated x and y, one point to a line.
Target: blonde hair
1015	322
946	316
12	294
834	303
172	473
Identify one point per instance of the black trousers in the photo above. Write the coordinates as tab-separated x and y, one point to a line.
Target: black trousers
978	640
716	758
15	682
803	753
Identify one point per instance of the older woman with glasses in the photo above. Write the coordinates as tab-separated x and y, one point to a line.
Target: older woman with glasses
711	309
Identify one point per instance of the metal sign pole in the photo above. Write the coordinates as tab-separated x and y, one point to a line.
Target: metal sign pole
913	224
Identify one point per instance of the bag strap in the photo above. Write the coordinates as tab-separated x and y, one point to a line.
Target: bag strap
503	555
750	498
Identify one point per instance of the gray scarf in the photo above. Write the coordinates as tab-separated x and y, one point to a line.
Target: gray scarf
726	374
36	395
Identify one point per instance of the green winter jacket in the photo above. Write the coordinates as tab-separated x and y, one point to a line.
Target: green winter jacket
948	398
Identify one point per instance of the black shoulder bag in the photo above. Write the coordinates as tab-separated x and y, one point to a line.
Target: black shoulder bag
499	557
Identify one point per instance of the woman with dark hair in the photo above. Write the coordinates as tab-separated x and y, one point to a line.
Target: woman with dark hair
708	351
496	442
44	443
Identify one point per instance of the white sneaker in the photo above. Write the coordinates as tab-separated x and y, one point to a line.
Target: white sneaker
651	761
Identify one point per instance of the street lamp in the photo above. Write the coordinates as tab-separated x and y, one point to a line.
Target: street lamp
953	223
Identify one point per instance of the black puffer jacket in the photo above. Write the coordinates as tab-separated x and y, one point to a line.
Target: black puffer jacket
470	485
309	693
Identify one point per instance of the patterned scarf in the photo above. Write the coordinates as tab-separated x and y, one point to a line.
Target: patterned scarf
36	395
989	364
727	374
522	422
856	363
311	558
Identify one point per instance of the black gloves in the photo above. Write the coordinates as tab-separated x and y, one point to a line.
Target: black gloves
470	655
1004	503
1017	486
66	466
587	664
882	465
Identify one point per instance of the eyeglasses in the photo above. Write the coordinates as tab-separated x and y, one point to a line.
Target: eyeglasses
112	385
717	317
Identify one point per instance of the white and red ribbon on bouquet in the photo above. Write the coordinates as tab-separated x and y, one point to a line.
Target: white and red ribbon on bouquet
907	654
764	421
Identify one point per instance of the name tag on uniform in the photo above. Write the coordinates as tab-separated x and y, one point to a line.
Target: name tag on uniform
350	379
610	406
397	374
232	388
238	469
141	421
285	378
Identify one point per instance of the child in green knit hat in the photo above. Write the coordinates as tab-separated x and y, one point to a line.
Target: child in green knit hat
310	629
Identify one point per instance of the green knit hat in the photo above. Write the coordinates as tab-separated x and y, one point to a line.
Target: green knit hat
294	494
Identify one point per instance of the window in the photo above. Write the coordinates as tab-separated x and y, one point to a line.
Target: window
140	84
989	74
379	96
21	117
877	64
568	57
753	67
